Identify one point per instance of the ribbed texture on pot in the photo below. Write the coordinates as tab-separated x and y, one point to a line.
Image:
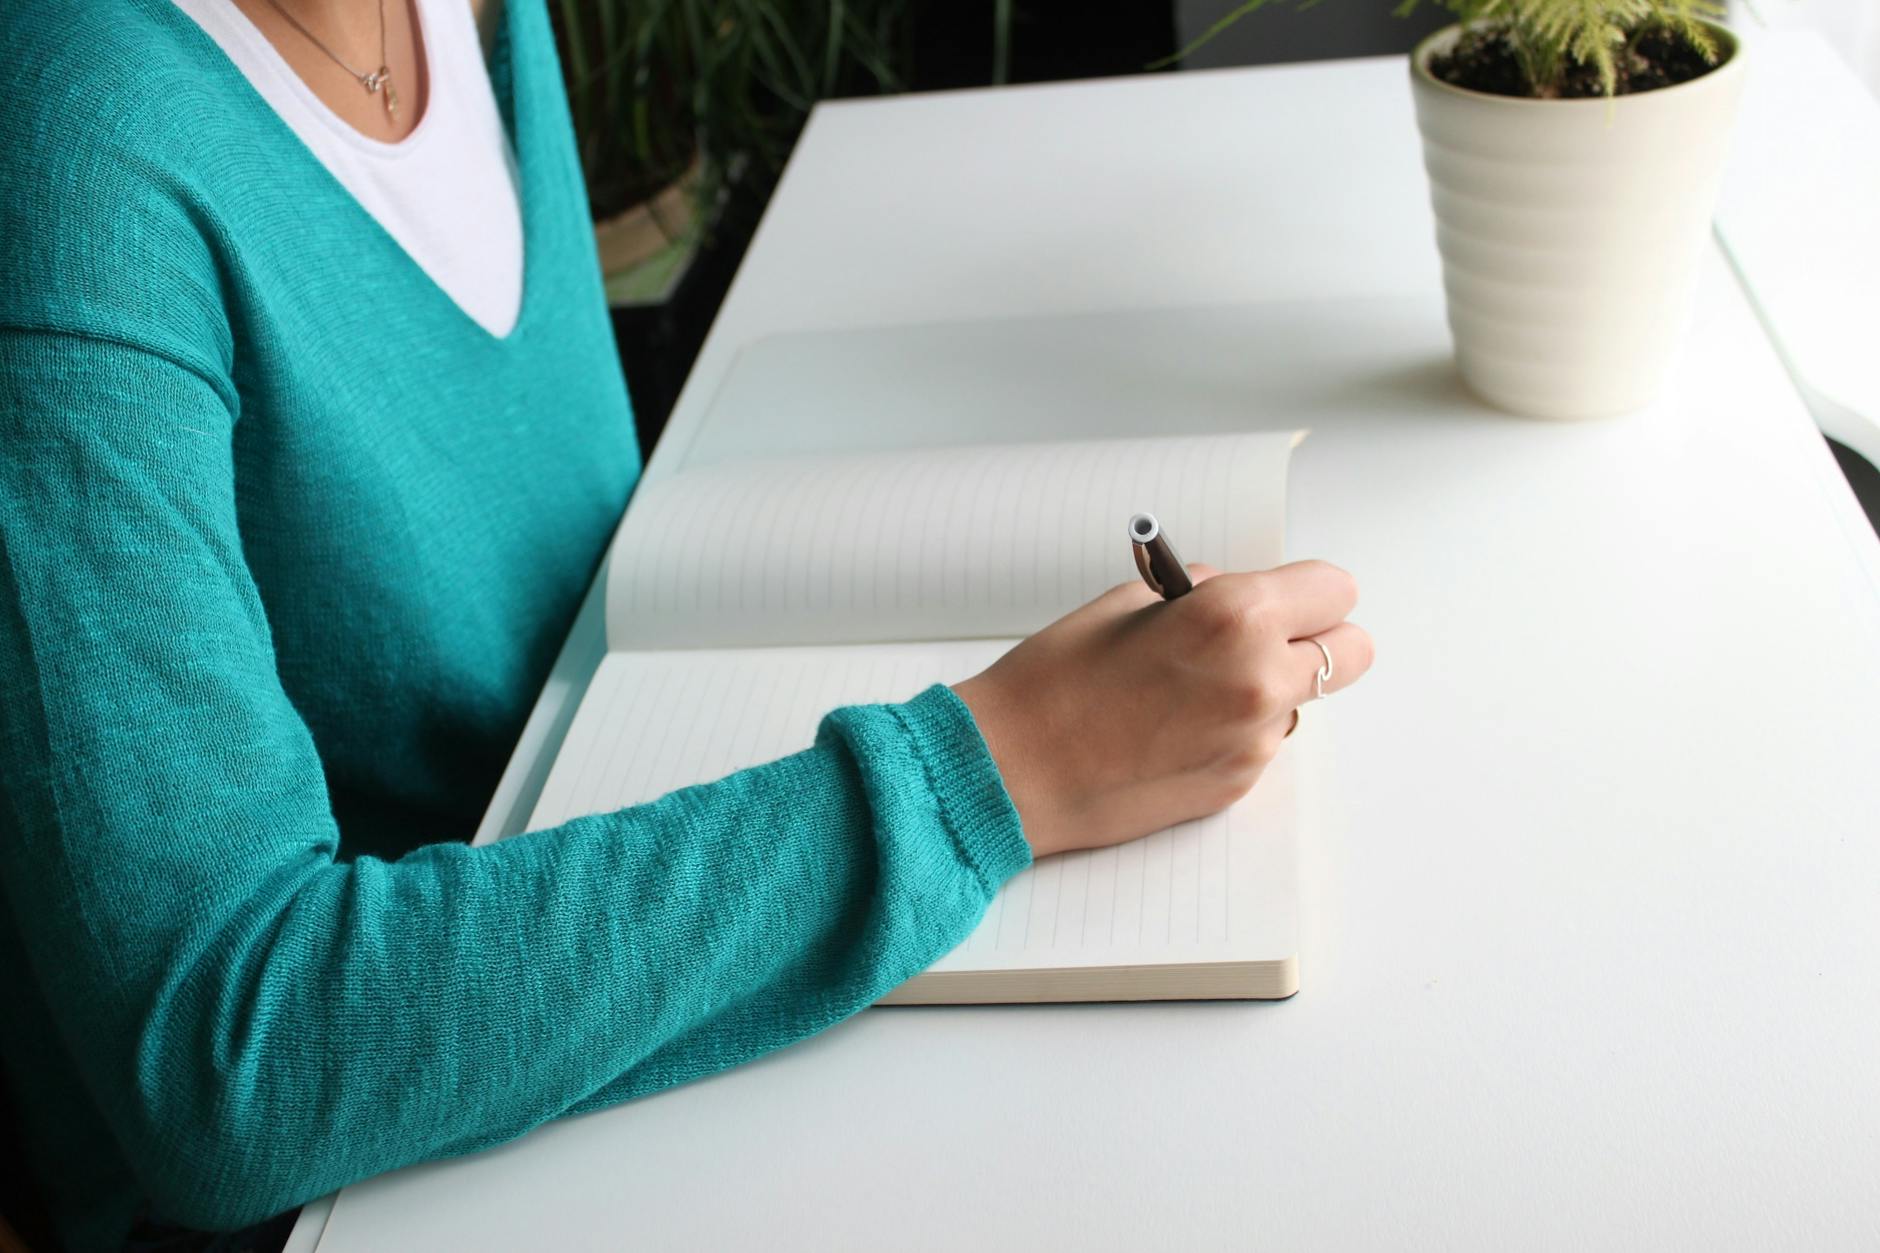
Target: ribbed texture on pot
1570	231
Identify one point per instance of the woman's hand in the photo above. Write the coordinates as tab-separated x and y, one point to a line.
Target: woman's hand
1132	714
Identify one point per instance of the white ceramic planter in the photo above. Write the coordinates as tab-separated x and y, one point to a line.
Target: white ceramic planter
1570	231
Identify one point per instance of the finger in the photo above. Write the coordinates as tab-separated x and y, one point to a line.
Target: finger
1352	652
1304	598
1200	572
1274	732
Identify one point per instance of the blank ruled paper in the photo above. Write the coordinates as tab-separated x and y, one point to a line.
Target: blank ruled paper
938	543
654	722
746	600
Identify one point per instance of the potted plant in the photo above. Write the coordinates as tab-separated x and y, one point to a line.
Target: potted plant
1574	149
676	101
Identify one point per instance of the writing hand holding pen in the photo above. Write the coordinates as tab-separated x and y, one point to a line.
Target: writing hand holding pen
1135	712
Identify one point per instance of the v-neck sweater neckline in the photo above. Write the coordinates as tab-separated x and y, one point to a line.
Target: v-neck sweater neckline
234	85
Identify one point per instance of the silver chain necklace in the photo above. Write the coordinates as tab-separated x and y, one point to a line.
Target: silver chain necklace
378	81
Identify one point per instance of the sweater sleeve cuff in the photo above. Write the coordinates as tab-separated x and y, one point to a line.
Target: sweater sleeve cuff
974	806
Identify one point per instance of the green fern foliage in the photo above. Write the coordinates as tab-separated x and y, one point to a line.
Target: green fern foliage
1549	37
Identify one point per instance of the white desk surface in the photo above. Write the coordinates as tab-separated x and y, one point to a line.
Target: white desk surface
1591	953
1811	261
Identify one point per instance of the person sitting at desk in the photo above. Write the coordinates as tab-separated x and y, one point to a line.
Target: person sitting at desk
315	433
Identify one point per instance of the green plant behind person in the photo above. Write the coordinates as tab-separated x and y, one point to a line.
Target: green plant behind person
1550	37
654	84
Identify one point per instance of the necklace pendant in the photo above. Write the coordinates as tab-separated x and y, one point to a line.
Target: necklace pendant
373	81
391	101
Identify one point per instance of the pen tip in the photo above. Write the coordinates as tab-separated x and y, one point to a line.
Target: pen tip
1143	527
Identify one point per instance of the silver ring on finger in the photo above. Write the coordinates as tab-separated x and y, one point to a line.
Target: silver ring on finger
1324	674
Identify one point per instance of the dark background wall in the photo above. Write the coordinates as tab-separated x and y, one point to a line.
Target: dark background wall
1285	32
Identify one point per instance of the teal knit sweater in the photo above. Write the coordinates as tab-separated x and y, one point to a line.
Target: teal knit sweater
287	544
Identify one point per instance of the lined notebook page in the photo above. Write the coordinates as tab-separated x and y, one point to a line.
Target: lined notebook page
980	541
1217	889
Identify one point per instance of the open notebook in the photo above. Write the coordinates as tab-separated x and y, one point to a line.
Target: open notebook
746	600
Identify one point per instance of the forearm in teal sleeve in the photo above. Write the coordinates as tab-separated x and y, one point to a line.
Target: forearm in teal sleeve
322	1022
343	1020
261	1022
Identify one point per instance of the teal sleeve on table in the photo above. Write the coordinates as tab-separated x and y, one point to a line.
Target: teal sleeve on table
261	1022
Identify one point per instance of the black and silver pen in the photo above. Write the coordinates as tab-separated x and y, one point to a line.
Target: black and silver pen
1156	558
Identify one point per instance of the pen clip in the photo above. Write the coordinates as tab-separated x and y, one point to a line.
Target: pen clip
1146	568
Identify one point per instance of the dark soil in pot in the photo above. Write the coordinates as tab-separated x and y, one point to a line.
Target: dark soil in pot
1485	60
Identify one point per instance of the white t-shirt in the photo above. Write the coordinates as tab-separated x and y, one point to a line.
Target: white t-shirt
447	192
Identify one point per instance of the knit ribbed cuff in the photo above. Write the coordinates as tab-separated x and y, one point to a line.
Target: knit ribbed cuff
974	806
